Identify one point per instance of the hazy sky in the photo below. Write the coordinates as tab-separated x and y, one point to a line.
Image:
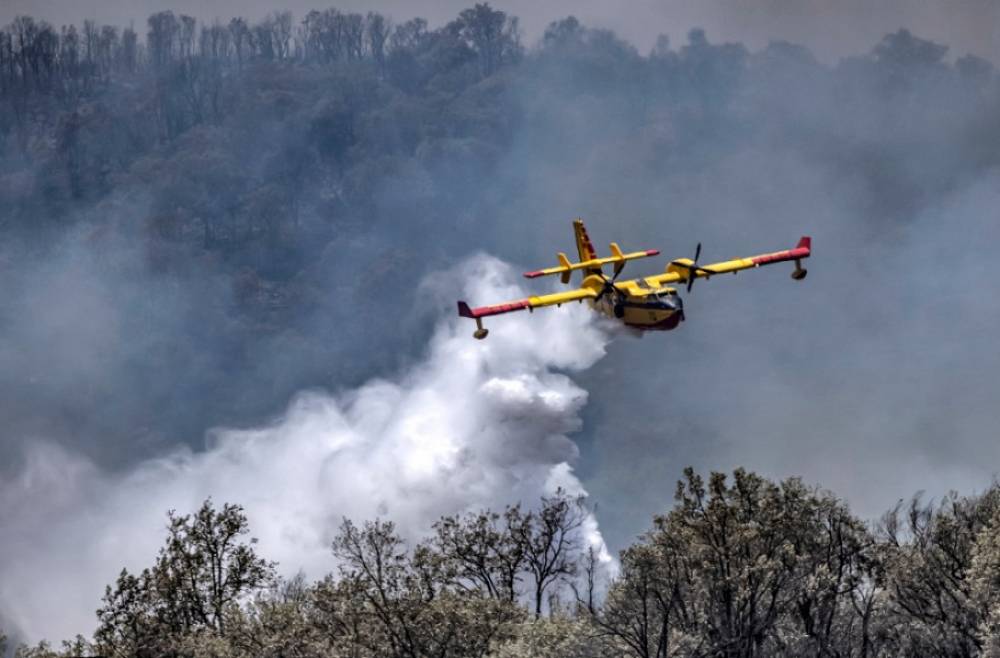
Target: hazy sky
874	377
830	28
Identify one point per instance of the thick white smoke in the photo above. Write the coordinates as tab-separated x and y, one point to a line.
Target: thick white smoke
473	424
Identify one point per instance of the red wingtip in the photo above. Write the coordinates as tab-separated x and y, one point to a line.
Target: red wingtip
532	275
805	242
652	252
464	310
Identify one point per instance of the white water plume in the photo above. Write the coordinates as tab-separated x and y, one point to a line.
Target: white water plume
473	424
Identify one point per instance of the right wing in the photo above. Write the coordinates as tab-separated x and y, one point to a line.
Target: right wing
683	269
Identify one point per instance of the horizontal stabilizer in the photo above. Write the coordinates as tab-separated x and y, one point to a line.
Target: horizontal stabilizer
616	258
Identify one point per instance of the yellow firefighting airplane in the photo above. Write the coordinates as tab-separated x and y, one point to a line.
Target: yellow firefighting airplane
648	303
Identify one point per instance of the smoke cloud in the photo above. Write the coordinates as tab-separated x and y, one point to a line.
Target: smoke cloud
471	425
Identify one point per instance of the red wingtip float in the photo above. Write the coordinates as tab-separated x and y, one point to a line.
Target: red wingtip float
646	303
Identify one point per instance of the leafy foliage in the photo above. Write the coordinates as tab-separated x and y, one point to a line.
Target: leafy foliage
755	568
739	567
202	573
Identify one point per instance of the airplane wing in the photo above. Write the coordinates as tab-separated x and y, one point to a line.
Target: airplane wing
617	258
526	303
686	270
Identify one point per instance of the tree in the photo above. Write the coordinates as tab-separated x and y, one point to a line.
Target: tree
550	539
129	54
162	37
239	36
975	70
281	26
559	636
484	551
412	609
409	35
127	620
936	603
70	649
985	580
353	30
377	29
563	33
492	34
69	52
208	566
204	568
280	622
644	611
903	50
746	570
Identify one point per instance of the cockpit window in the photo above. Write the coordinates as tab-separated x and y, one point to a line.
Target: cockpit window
669	299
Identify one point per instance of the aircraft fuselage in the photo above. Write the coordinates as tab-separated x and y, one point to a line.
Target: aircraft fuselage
660	310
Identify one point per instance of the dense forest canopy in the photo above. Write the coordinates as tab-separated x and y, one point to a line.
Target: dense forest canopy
201	219
740	567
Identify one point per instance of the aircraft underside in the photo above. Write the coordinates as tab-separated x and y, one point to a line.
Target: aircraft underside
639	315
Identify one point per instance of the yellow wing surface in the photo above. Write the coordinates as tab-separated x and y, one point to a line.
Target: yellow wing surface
566	268
684	270
527	303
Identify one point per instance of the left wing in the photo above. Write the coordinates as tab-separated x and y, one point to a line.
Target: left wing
528	303
686	270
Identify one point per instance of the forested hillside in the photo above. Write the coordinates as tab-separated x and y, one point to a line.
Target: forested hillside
269	181
246	204
739	567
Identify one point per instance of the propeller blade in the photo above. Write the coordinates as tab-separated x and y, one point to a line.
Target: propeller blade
693	268
607	285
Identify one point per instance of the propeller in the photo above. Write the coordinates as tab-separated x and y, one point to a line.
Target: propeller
693	267
609	286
